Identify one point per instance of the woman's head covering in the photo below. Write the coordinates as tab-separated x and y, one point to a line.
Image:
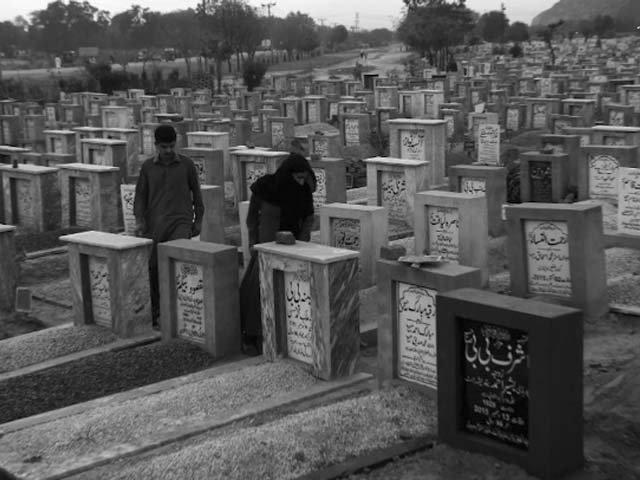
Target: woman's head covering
295	200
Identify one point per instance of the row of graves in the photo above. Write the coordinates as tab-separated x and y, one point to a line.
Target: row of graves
491	365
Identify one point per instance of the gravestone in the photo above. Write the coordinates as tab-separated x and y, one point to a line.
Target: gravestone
292	108
324	145
544	177
420	140
281	131
386	96
90	196
432	99
188	269
9	129
477	119
9	268
583	108
215	141
504	390
489	144
116	117
556	251
107	287
132	137
598	170
31	197
489	181
558	123
393	183
616	136
618	115
569	144
407	346
213	220
209	164
355	129
250	164
411	103
105	152
127	196
309	299
454	226
60	142
83	133
356	227
585	134
330	176
314	109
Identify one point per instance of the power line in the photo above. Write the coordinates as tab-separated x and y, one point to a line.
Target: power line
268	7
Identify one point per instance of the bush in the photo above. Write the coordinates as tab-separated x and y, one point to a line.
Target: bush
516	51
252	73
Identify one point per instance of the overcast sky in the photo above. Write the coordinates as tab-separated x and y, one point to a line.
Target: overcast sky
372	13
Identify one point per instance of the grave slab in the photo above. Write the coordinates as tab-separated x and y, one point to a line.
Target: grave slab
188	270
407	347
330	181
310	306
249	164
356	227
393	183
556	252
455	226
483	180
598	170
544	177
109	284
213	221
9	268
486	340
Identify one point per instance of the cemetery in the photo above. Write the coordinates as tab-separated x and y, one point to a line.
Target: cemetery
467	305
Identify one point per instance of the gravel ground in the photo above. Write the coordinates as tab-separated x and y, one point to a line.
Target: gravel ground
625	292
445	463
92	432
36	347
97	376
31	242
622	261
58	291
294	445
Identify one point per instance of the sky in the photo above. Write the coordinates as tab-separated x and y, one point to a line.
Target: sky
372	13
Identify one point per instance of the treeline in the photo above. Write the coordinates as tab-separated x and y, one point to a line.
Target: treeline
220	25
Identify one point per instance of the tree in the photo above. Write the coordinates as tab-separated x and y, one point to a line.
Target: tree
338	35
11	36
603	25
517	32
433	27
252	73
296	32
66	26
547	33
493	26
516	50
217	39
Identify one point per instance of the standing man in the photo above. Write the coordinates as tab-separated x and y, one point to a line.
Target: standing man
167	204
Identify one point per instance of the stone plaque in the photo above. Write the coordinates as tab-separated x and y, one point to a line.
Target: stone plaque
540	181
489	144
345	233
406	104
430	105
385	98
312	112
616	117
545	87
199	164
97	156
412	145
393	194
82	200
629	201
614	141
451	125
444	232
585	140
100	291
547	248
473	185
417	353
320	195
351	132
68	115
320	147
297	293
127	194
147	142
189	301
495	387
277	134
634	99
24	202
255	124
539	115
252	172
51	114
603	177
6	132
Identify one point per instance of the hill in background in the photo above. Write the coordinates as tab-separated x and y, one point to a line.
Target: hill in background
628	11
